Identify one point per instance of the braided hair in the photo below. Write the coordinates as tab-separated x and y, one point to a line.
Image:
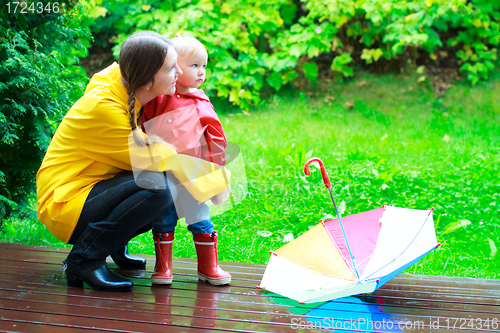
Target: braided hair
137	72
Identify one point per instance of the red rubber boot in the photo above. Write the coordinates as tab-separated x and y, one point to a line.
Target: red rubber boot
208	264
163	251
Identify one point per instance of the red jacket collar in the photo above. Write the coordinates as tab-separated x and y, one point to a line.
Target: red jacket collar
198	94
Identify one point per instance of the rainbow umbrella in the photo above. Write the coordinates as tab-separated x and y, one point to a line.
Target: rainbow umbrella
349	256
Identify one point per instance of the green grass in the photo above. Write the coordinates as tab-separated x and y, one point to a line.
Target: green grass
397	145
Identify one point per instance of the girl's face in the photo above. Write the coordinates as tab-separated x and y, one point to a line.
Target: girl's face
194	71
165	79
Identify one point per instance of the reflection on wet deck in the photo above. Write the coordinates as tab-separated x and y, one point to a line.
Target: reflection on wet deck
34	298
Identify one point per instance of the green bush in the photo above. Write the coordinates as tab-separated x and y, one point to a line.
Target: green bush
39	81
263	43
398	29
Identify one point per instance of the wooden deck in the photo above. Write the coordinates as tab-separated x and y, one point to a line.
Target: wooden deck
34	298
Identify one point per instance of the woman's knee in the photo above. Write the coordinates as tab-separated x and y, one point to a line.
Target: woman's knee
151	180
157	184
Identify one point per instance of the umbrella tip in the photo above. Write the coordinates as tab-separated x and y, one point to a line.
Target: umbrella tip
273	253
431	210
378	280
301	302
438	245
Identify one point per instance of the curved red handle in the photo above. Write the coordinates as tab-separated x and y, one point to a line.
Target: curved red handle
326	180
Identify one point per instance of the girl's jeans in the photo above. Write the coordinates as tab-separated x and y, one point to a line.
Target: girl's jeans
196	214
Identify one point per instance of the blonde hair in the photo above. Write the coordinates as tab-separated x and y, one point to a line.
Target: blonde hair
186	46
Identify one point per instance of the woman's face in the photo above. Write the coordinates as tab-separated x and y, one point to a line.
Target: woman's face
164	80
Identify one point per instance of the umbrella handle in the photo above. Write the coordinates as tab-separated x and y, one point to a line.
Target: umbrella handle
326	180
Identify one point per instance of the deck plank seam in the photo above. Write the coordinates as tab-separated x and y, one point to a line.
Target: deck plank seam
151	312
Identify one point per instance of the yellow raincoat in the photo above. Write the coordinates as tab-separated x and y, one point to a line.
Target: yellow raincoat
94	142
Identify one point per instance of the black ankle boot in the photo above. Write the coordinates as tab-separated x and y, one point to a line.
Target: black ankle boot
125	260
100	278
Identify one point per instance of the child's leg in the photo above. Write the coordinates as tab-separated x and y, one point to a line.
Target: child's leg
205	239
163	236
203	227
208	262
168	221
197	215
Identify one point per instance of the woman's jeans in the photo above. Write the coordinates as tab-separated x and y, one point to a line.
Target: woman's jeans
117	210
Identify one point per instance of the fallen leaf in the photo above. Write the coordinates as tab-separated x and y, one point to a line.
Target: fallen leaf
361	84
329	98
349	104
493	247
455	225
342	208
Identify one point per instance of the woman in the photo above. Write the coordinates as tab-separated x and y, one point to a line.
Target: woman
87	194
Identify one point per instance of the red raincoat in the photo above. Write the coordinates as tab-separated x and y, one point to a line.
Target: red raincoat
189	122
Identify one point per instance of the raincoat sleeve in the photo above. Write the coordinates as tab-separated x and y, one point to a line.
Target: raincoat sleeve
107	138
216	142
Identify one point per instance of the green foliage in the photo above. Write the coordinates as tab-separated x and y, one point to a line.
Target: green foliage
396	29
397	145
39	82
268	43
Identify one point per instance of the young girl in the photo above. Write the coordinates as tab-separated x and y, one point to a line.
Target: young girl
187	120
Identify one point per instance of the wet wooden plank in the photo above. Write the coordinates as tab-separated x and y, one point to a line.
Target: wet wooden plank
251	296
179	263
179	267
48	319
123	319
163	297
31	284
202	312
409	280
27	327
399	315
62	252
427	299
480	288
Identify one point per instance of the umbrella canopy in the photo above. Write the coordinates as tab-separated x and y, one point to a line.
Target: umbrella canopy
348	256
